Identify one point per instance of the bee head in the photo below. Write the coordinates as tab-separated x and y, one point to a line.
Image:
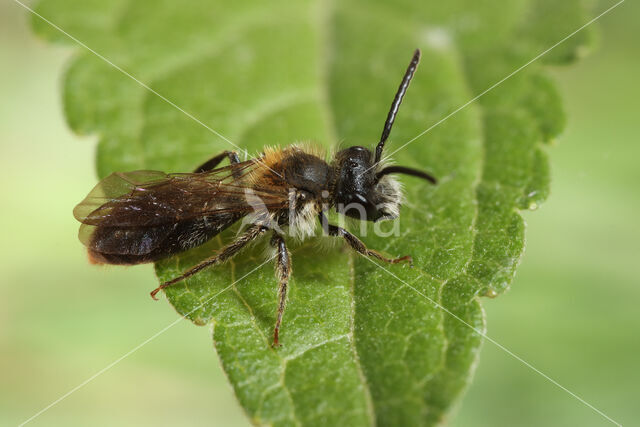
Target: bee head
359	192
363	188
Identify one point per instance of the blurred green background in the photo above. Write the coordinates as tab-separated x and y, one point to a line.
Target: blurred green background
572	311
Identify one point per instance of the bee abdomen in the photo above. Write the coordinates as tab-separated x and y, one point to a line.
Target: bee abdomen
139	245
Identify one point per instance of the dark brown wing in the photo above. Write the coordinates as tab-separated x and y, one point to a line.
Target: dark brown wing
147	215
145	197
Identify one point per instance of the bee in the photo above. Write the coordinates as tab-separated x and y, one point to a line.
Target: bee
145	216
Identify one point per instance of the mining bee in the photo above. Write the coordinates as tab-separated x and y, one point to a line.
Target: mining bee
145	216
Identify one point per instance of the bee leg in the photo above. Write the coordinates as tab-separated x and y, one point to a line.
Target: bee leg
223	255
215	161
283	271
357	244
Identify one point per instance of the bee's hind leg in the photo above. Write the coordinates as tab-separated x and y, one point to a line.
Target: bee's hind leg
283	271
225	253
215	161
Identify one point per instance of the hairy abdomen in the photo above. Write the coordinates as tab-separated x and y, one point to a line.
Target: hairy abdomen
138	245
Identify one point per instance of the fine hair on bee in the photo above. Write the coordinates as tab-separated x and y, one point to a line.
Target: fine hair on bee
145	216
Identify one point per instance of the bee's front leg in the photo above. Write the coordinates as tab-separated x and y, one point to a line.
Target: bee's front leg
283	272
357	244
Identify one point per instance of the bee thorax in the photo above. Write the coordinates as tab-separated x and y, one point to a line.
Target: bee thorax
303	218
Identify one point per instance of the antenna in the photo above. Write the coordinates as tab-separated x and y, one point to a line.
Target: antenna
397	100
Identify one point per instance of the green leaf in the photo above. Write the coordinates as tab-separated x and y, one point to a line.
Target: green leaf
361	345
